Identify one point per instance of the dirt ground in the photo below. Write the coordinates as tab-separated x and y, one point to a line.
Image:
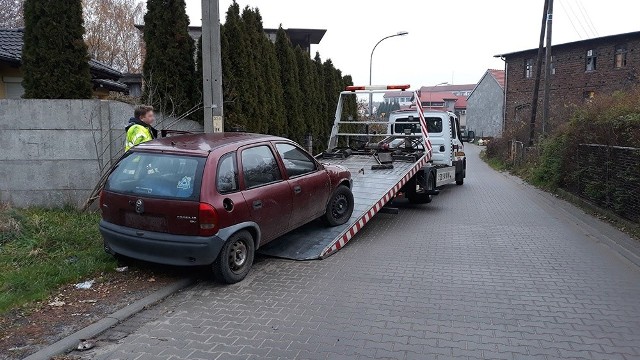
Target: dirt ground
27	330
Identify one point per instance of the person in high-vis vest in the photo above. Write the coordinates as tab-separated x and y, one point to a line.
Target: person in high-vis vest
139	129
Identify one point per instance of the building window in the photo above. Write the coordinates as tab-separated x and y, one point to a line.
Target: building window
591	60
13	87
621	56
528	68
553	65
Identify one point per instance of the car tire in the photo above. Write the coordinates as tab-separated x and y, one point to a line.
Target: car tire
236	258
340	206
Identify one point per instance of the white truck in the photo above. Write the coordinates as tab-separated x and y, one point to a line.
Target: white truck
448	159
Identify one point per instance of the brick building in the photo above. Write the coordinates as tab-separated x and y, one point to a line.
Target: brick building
580	71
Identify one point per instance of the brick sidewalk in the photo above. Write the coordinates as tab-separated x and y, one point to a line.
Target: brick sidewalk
488	270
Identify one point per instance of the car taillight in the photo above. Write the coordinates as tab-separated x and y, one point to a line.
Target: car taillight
208	218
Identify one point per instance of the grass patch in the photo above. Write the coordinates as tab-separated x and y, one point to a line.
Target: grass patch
41	249
495	163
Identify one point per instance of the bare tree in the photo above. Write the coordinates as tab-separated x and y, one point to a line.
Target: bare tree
111	35
11	13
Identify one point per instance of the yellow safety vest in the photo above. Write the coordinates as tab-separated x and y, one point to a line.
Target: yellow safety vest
137	134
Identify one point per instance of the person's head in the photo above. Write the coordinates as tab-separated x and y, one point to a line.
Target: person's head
145	114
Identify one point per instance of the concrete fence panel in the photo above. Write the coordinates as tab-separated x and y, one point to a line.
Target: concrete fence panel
53	152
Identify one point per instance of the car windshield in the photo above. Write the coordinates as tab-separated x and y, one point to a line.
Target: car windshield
434	125
158	175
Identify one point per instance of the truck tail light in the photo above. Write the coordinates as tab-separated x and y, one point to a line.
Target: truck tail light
208	218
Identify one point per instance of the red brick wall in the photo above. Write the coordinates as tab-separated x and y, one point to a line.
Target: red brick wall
571	79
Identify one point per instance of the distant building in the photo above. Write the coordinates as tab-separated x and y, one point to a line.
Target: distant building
447	98
104	78
580	71
134	82
401	97
485	105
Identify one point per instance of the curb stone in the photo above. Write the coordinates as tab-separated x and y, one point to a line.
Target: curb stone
71	341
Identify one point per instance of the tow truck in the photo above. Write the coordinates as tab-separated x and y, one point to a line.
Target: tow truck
384	164
449	159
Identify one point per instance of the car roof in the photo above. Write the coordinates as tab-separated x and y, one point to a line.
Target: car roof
203	144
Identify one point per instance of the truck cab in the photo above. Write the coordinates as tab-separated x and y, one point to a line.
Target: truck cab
446	139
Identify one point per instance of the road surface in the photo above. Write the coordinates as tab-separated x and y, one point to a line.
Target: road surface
491	270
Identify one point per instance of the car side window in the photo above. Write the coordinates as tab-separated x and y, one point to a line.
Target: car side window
259	167
296	161
227	174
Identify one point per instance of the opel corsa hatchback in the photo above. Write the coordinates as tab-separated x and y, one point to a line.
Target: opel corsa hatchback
216	198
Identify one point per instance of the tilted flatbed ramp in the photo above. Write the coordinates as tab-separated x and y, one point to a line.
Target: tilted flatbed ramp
372	189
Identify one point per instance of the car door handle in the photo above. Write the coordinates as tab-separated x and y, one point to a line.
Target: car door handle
257	204
297	189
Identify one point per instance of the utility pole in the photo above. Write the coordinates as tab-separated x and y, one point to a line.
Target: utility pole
211	67
536	87
547	74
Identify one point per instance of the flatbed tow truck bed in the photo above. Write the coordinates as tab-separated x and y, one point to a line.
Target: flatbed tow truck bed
372	190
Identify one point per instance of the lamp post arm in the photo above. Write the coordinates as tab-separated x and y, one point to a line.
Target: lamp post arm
371	58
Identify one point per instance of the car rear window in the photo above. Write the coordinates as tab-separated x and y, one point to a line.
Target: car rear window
158	175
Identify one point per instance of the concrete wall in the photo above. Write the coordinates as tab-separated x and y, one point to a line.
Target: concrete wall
485	108
52	152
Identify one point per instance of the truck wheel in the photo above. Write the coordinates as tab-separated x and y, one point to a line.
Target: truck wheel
235	258
339	207
461	175
419	196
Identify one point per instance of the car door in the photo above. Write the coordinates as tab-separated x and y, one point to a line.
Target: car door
309	183
267	194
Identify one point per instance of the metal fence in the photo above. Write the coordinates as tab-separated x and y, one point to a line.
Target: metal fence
609	176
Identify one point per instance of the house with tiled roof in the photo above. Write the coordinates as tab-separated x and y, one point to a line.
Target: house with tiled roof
485	105
104	78
447	98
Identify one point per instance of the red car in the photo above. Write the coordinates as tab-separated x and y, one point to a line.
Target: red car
216	198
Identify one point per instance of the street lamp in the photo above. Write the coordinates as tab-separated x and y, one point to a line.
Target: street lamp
400	33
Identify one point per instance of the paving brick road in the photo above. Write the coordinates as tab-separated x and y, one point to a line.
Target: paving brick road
490	270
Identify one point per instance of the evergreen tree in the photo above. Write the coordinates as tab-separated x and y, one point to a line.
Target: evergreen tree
307	89
169	67
291	86
198	91
236	57
351	102
256	98
276	119
331	91
320	137
54	56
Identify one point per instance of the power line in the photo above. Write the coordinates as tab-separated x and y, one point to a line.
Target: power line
577	18
586	16
570	20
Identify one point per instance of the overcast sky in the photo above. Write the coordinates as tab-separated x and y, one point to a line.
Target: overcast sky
448	40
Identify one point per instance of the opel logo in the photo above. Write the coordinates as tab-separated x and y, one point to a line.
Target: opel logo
139	206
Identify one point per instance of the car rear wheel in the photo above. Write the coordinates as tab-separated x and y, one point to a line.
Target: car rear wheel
339	207
235	258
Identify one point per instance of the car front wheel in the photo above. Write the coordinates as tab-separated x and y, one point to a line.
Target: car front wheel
339	207
235	258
